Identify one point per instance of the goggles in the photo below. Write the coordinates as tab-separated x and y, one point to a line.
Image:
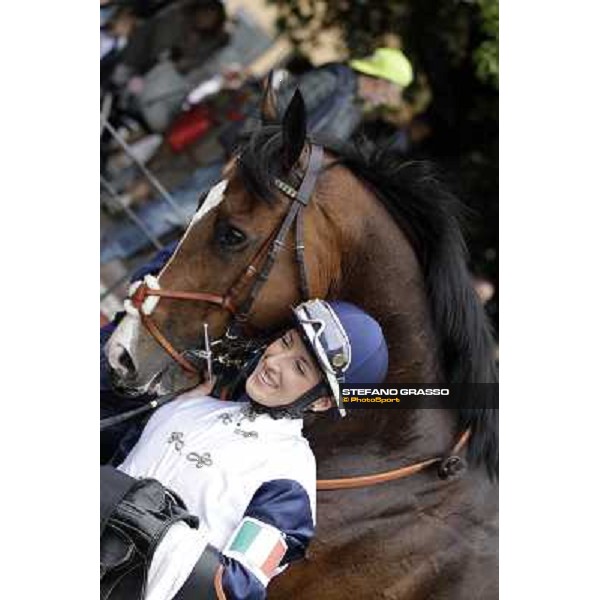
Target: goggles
325	334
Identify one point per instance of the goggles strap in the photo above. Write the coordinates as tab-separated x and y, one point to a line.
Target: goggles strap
321	389
296	408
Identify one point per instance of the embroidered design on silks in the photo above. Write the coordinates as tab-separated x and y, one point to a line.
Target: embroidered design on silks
226	418
200	460
176	438
246	434
258	546
246	413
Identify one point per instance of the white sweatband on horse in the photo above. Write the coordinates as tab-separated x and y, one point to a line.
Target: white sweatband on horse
149	303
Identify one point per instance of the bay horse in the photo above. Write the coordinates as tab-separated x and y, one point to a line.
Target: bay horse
385	236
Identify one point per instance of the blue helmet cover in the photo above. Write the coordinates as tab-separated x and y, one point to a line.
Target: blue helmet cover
369	362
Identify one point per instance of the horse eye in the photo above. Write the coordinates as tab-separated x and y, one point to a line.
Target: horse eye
229	236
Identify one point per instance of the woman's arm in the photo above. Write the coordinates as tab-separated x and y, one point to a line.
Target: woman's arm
276	529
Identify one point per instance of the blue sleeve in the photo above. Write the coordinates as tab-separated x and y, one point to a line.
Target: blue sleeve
284	504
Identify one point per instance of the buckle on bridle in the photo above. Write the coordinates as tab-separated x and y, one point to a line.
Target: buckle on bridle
451	466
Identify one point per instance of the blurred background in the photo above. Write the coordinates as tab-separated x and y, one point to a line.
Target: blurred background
180	79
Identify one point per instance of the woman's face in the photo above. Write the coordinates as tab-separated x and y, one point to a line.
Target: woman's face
285	372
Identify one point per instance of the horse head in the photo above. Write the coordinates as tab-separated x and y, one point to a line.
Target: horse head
223	252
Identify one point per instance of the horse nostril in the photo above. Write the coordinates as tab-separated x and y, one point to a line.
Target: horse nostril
126	362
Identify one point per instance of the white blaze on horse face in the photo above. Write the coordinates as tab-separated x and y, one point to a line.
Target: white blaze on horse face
125	337
213	199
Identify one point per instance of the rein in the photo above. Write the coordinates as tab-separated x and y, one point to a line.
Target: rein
448	467
145	295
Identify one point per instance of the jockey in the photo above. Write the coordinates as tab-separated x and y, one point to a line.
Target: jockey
216	497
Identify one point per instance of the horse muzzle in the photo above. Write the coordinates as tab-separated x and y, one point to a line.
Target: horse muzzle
123	370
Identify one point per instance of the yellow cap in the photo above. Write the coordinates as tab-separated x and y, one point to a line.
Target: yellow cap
387	63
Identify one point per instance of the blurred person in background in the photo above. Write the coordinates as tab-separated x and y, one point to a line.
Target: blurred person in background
342	97
186	31
118	20
149	75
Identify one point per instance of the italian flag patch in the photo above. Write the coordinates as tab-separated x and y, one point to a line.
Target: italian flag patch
258	546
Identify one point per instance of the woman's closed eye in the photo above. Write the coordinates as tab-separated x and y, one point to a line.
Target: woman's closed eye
301	368
287	340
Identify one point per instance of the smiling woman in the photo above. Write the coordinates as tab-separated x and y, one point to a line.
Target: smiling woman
227	488
286	371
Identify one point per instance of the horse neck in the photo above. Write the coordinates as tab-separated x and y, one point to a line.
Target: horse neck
383	276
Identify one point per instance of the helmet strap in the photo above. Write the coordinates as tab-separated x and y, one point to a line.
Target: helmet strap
297	408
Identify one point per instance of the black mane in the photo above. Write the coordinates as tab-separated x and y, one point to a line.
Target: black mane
430	216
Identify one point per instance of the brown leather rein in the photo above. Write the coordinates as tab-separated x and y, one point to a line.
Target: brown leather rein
448	466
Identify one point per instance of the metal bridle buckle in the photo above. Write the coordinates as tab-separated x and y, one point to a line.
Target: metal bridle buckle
451	467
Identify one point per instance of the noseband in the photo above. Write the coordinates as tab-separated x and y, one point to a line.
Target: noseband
145	295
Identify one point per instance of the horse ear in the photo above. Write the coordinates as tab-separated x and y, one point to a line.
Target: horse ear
268	107
294	131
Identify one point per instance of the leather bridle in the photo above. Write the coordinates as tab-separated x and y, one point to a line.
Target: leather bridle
144	295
